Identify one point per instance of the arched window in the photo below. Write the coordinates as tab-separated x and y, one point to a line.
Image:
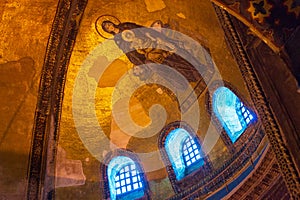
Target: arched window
127	180
191	152
124	176
184	152
231	112
183	156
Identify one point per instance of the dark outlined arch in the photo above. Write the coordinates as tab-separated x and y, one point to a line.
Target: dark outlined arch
188	177
233	146
132	165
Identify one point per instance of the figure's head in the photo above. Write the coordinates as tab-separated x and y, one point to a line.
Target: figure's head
157	24
109	27
137	70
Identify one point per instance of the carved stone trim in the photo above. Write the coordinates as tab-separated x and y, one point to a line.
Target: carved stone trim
264	111
261	181
47	115
218	177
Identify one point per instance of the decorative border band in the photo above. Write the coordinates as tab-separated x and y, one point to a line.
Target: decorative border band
48	110
264	111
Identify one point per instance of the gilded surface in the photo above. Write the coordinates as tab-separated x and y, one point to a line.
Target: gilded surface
201	26
71	168
24	26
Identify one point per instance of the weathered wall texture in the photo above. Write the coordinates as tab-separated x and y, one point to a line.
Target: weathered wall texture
25	28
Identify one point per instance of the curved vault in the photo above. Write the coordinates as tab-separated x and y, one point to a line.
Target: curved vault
81	16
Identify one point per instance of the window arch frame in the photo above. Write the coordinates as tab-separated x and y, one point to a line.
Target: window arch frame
104	186
191	178
250	128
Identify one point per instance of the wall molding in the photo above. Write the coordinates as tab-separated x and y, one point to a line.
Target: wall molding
41	167
265	113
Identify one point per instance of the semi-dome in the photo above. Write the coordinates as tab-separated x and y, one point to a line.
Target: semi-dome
149	99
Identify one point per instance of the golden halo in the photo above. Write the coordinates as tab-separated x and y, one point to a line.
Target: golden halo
100	20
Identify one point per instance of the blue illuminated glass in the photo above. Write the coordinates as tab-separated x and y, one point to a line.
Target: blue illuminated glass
244	112
191	153
184	153
125	180
232	113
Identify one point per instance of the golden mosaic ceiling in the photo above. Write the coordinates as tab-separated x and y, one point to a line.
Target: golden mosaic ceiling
195	19
109	102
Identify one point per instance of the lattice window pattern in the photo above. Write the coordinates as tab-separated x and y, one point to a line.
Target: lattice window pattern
248	117
191	151
127	180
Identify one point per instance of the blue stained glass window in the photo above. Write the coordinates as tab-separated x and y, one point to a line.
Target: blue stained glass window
184	152
248	117
125	180
232	113
191	153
